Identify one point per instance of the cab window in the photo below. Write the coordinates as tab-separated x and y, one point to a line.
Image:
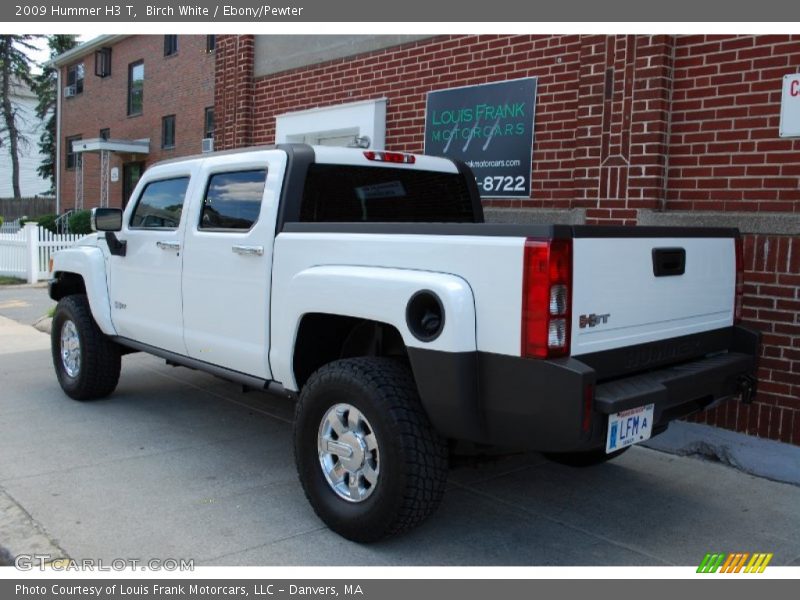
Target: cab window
160	204
233	200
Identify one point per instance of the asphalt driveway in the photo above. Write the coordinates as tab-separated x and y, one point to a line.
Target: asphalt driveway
180	464
25	303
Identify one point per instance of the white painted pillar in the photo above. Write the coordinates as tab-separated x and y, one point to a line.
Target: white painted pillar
32	251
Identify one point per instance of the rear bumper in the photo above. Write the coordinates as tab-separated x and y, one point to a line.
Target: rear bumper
541	405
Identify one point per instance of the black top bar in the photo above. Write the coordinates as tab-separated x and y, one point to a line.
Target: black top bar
512	230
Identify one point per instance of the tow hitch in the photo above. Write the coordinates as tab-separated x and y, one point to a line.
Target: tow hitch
747	388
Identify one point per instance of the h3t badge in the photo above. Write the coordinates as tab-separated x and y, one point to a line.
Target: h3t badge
593	320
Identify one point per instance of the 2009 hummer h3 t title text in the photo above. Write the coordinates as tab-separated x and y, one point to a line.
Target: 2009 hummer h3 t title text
366	285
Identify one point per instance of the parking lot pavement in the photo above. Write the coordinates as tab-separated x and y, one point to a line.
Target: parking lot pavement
178	464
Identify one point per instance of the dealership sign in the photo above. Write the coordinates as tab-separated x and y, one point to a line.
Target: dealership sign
489	127
790	106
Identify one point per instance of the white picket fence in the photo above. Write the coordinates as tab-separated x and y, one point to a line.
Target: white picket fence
10	227
26	254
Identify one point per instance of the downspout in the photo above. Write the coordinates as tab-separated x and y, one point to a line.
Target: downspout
57	162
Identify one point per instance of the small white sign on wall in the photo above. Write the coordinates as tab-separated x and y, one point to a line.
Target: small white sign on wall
335	125
790	106
115	174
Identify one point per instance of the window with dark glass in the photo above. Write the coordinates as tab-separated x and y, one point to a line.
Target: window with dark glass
339	193
168	131
160	204
135	88
208	123
211	43
233	200
71	158
75	75
170	45
105	133
102	62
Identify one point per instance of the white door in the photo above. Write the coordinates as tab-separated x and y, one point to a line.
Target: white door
228	263
145	284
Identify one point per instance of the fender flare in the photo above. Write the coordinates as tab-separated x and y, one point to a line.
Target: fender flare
89	263
372	293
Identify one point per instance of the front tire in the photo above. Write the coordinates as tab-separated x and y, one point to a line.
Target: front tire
369	460
87	363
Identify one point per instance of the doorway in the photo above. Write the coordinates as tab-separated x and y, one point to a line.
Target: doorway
131	173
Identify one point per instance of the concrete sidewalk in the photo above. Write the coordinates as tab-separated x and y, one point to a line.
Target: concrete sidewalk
179	464
16	337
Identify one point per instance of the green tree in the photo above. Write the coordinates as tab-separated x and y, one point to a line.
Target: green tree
47	90
15	69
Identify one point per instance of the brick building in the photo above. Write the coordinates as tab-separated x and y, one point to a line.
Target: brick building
132	100
633	129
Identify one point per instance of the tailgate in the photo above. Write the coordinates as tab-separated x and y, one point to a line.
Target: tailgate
633	290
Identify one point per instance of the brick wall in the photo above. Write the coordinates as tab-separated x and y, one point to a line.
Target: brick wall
623	124
182	84
724	151
772	305
405	74
234	91
596	140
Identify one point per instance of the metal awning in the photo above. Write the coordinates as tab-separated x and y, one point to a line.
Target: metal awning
121	146
105	148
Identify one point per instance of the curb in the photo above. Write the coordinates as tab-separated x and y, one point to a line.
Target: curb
20	534
44	324
17	286
756	456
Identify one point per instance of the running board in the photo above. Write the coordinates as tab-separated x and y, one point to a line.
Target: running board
175	359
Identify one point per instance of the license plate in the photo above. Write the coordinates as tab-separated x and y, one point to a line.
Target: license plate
629	427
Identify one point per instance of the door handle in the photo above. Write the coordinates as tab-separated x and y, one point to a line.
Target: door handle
169	245
249	250
668	262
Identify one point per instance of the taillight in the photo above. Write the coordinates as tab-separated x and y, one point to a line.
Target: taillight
390	157
546	298
739	292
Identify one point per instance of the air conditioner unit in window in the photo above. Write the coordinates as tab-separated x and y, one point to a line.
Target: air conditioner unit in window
69	91
208	145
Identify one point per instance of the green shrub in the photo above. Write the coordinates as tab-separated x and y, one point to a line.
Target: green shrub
79	222
1	221
47	222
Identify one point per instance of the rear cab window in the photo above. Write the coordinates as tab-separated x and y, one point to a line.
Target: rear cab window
232	200
348	193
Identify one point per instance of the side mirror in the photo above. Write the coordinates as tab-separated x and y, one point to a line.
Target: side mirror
106	219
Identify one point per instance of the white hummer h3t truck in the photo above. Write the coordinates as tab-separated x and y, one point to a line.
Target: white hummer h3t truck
366	285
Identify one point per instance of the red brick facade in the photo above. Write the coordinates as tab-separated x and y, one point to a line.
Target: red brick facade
772	305
180	85
724	150
623	123
234	91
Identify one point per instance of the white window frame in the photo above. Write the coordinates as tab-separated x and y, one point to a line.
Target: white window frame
365	118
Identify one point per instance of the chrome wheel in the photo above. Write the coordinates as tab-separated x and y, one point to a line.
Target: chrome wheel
70	349
348	453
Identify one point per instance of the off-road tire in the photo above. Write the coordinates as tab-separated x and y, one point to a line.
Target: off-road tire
414	457
100	363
